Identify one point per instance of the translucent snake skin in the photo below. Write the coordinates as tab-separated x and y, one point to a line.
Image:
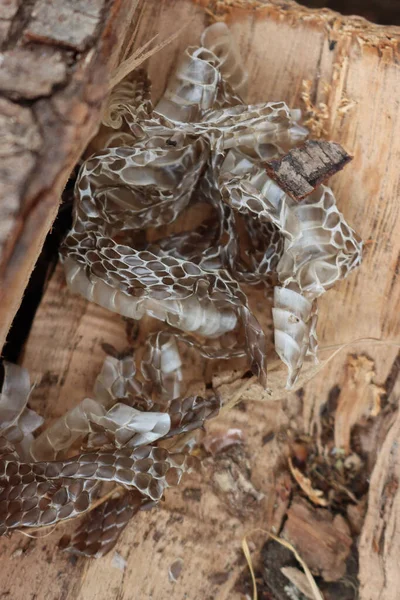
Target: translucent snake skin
28	496
201	146
202	143
100	531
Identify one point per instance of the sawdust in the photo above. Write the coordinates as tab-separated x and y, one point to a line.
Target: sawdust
316	116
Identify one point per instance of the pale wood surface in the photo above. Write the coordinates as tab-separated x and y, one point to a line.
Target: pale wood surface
357	79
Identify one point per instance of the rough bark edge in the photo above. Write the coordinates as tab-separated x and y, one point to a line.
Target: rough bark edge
77	110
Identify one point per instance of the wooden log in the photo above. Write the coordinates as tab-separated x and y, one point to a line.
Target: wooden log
54	74
344	71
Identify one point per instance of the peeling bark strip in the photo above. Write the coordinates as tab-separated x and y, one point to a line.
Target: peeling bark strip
300	171
379	544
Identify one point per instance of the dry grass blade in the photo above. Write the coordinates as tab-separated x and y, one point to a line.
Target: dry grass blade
105	497
133	61
140	55
282	542
38	536
246	552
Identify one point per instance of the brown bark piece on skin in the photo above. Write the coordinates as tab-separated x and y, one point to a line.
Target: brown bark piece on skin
302	169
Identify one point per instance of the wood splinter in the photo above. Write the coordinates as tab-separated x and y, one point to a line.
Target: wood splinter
302	169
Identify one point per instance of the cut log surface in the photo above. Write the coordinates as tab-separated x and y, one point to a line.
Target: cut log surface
54	71
346	72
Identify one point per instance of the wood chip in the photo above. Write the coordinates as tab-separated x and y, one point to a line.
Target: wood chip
319	540
299	579
359	398
316	496
300	171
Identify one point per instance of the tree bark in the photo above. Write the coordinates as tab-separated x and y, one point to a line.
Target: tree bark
56	61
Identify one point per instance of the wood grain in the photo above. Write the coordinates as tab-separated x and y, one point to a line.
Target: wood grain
353	71
380	539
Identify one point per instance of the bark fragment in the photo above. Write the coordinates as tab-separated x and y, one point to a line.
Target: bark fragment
8	10
45	64
322	541
56	104
71	24
302	169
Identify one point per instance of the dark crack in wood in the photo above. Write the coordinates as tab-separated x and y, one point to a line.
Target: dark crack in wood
300	171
